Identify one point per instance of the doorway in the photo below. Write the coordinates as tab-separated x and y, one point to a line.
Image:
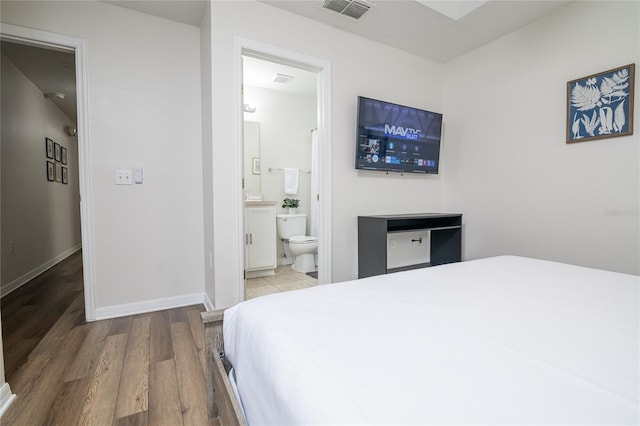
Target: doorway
321	71
76	47
280	122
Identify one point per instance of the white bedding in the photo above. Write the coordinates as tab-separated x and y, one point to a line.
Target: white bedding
504	340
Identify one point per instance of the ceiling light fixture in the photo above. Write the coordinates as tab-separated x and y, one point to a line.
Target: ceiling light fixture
71	131
54	95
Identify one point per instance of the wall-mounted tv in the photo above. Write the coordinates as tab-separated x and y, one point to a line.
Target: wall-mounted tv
397	138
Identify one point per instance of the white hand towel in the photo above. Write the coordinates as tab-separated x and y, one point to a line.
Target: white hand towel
291	181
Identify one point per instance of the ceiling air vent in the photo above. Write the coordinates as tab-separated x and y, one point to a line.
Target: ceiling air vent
351	8
282	78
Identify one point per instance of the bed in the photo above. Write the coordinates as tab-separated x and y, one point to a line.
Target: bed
502	340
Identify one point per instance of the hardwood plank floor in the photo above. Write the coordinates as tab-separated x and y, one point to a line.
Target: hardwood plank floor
134	384
140	370
164	398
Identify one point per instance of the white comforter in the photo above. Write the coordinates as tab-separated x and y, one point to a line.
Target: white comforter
504	340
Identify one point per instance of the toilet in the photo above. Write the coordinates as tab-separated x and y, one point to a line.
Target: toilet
292	228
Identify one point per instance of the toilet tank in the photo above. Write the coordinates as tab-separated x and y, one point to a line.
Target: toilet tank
290	225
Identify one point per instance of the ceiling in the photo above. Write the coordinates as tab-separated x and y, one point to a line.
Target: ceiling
412	26
260	73
51	71
186	11
415	26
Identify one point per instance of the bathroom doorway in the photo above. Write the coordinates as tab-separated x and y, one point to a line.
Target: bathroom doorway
279	141
270	162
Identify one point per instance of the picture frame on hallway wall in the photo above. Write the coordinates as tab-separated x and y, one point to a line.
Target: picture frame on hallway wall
601	105
48	144
65	177
255	165
58	151
58	172
63	155
50	172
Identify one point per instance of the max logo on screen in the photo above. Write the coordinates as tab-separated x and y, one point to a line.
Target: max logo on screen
405	132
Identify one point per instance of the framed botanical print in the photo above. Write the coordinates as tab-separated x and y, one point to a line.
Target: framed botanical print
601	105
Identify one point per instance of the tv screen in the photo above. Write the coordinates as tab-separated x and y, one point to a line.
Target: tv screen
397	138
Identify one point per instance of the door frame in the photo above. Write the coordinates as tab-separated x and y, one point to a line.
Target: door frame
322	68
55	41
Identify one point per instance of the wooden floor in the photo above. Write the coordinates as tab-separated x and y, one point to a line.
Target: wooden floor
145	369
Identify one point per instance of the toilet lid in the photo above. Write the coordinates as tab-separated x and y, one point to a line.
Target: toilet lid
302	239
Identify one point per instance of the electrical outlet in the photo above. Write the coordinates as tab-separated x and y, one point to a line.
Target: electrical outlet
12	248
123	177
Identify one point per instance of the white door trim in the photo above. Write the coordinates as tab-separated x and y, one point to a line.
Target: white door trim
322	67
57	41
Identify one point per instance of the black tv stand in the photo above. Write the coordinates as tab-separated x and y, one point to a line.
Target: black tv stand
446	239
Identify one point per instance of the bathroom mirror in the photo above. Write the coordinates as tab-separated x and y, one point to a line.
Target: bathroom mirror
252	158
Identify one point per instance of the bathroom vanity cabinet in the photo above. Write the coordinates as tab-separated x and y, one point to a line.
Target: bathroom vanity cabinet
259	238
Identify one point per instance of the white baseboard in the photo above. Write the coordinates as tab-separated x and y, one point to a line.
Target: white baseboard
6	398
25	278
285	261
126	309
260	273
208	304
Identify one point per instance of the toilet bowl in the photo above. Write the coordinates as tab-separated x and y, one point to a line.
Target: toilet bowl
291	229
302	249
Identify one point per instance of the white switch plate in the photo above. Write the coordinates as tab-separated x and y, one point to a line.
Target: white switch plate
123	177
137	175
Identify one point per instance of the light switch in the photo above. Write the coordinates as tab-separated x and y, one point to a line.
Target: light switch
137	175
123	177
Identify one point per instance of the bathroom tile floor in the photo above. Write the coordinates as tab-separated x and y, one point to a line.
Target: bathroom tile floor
285	279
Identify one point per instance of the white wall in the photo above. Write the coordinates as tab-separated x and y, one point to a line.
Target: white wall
207	151
4	387
286	121
359	67
143	77
522	189
251	152
40	217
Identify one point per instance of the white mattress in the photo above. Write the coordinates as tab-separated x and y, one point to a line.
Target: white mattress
504	340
